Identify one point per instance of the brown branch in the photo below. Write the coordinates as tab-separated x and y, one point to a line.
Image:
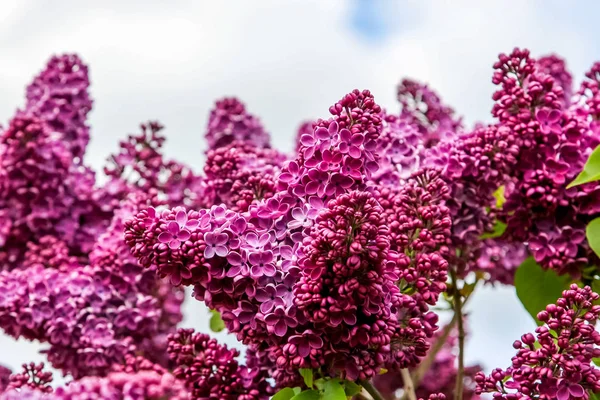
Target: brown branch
409	386
368	386
457	299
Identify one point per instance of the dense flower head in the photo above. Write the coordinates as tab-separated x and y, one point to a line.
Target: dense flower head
240	174
33	377
140	164
522	88
423	108
399	147
91	315
210	370
556	362
252	264
229	121
59	96
305	128
474	165
137	385
590	91
555	137
39	303
347	249
142	385
556	67
499	259
441	376
42	192
4	377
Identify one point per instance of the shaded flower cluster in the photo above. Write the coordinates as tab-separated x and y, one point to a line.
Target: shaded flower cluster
555	137
32	377
59	96
556	362
252	264
210	370
399	146
229	122
423	108
143	384
439	379
240	174
141	165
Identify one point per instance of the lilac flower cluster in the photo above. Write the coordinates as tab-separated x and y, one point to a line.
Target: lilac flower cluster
140	165
40	194
229	122
439	379
32	377
474	165
556	362
400	146
210	370
4	377
423	108
554	136
59	96
266	268
143	384
67	277
240	174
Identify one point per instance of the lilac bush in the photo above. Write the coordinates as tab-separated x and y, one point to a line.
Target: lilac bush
330	264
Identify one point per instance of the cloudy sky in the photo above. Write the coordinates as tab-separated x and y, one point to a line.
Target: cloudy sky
288	60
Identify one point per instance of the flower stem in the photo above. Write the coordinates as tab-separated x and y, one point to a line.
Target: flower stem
418	375
458	388
409	386
368	386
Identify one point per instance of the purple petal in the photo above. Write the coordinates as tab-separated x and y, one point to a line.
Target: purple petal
322	133
183	235
209	252
165	237
280	328
174	244
192	224
181	217
173	227
576	390
307	140
315	342
298	213
221	251
303	349
333	128
222	238
269	270
563	393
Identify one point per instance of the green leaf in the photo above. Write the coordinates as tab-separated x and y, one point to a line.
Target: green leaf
536	287
592	232
382	371
351	388
216	323
594	396
591	170
596	361
499	196
334	390
284	394
308	395
320	383
499	229
307	375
